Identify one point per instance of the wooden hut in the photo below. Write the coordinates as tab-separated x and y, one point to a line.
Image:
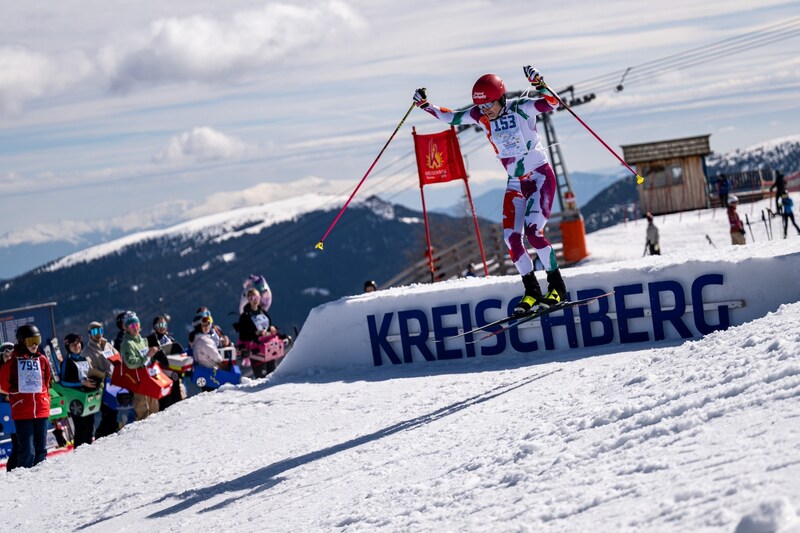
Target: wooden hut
674	173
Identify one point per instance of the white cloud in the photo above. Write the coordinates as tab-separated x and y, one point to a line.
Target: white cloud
196	48
202	144
263	193
26	74
201	48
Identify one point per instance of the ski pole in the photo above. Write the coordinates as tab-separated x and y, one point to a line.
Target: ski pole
766	228
645	248
335	220
639	179
710	241
747	219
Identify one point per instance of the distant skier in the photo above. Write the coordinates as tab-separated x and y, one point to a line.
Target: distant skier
652	236
780	187
723	188
510	126
736	224
788	206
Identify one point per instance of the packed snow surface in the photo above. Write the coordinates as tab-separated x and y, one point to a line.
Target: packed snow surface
699	435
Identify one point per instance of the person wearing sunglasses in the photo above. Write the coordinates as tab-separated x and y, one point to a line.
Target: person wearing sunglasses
5	351
510	125
98	350
25	378
136	353
205	344
255	324
222	340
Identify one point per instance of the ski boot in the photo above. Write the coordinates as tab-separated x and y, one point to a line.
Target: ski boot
532	296
556	289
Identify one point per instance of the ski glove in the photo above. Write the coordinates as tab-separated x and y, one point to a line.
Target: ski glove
535	78
421	98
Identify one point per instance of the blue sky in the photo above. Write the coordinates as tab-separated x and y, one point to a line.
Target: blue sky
122	115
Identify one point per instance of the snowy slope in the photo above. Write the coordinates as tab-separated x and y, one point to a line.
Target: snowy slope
214	228
684	436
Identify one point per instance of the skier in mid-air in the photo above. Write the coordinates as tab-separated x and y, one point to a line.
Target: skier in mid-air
510	126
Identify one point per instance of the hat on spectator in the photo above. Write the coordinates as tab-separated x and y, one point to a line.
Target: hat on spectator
200	319
95	324
130	318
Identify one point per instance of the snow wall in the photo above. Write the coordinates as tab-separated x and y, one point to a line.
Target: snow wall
655	299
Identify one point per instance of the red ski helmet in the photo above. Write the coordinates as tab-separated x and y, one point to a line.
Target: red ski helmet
488	88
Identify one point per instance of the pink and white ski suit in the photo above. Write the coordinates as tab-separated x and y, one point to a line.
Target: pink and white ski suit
531	185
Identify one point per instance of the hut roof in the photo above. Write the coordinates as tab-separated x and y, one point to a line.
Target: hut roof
675	148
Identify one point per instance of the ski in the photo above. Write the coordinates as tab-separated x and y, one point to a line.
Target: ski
525	317
482	328
540	313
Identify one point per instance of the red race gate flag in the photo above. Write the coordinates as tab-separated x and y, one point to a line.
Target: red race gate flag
439	157
439	161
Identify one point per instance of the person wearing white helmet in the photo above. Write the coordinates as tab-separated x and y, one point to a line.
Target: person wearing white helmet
736	224
510	126
6	350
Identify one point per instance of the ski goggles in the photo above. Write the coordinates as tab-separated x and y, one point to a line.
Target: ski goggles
161	325
36	340
204	313
8	350
487	106
94	332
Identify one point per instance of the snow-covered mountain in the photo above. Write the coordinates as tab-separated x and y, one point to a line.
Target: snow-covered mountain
204	261
691	435
778	154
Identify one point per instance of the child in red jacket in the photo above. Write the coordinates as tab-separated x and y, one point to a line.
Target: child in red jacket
26	379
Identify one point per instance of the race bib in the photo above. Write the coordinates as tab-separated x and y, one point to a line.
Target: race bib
83	369
153	371
30	375
261	322
507	136
144	351
108	353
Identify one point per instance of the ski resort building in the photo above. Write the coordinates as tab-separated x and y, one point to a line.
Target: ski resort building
674	174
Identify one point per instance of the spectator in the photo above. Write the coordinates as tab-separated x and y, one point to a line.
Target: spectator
98	350
370	286
736	224
121	329
136	354
76	373
205	346
6	350
652	236
780	188
164	344
222	340
25	377
255	328
788	213
723	188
